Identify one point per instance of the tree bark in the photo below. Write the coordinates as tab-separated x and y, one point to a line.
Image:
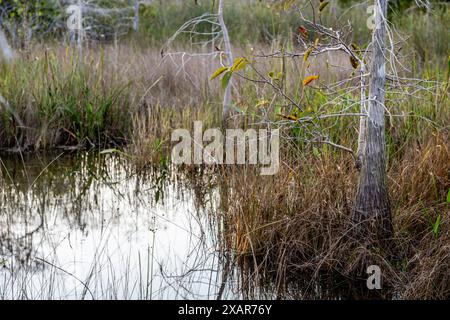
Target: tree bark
229	60
80	31
362	120
372	210
7	52
136	16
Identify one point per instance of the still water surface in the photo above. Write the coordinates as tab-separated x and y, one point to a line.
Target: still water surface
88	227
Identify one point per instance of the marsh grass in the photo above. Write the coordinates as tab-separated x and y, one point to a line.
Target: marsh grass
63	101
98	101
107	97
297	225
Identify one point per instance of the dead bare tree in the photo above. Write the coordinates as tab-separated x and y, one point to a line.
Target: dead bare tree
218	33
92	21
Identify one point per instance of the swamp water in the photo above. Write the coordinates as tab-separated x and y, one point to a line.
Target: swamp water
86	227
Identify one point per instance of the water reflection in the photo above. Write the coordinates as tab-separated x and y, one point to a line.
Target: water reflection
88	227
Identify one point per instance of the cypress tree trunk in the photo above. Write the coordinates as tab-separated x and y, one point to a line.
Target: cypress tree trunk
372	210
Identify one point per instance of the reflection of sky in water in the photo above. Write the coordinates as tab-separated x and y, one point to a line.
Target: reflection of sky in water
88	228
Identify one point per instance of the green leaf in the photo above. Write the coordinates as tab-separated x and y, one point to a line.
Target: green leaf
436	226
277	109
277	77
90	109
218	72
448	197
448	69
316	152
226	79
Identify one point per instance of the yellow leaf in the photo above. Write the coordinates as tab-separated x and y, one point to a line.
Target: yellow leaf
354	62
239	64
288	4
323	5
355	47
309	79
262	103
307	54
288	117
218	72
316	42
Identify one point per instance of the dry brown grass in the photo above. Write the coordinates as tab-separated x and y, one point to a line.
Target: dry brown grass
298	224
